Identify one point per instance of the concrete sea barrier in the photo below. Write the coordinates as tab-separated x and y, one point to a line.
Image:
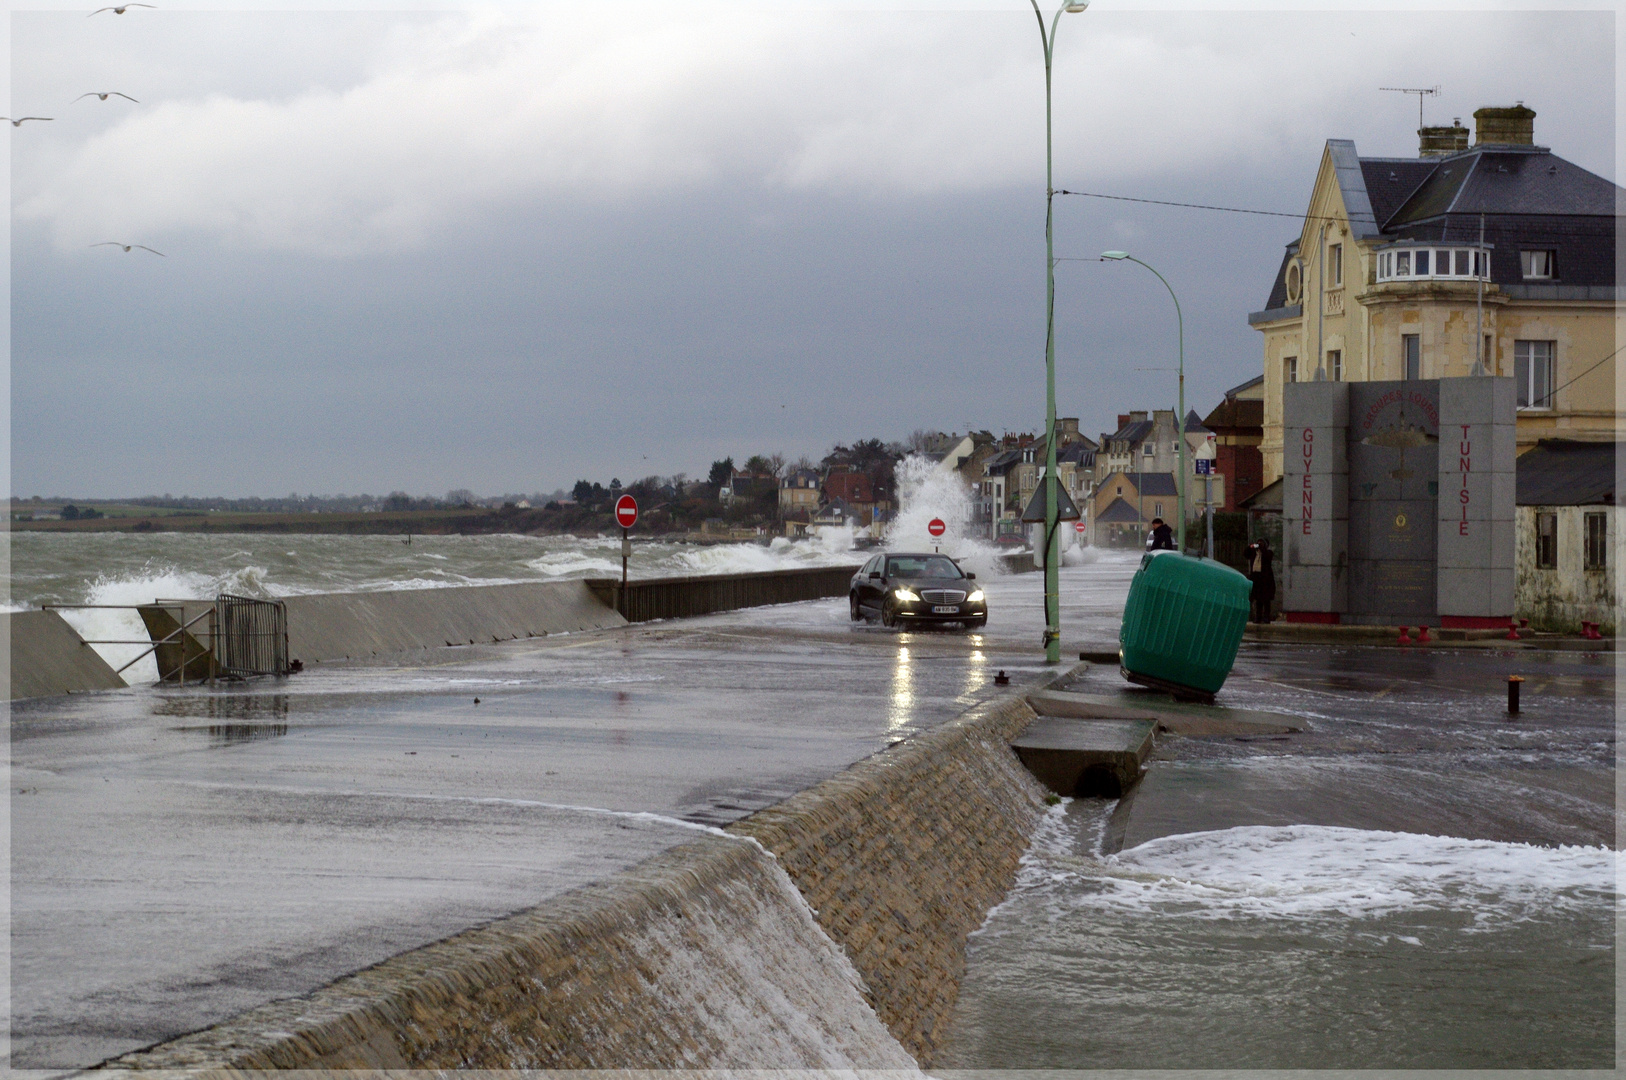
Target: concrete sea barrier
825	932
686	597
48	657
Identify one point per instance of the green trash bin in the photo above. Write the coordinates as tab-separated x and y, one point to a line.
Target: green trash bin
1183	623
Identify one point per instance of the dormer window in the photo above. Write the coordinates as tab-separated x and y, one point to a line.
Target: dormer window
1439	263
1538	265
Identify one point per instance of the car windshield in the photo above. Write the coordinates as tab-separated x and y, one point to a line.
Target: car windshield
922	566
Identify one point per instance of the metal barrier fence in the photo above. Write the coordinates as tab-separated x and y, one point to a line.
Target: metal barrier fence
685	597
249	637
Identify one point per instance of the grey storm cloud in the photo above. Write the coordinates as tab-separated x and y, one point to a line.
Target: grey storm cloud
508	246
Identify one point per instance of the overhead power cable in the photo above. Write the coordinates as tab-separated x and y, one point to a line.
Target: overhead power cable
1202	206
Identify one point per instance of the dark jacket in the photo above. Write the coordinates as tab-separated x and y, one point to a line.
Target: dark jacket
1162	539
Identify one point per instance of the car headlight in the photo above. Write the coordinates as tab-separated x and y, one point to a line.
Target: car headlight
907	594
976	597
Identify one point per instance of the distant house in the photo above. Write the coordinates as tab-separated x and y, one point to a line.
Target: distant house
835	512
798	493
1144	496
854	490
1567	535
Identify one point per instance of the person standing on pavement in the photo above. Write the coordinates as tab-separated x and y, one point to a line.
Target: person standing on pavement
1161	538
1263	578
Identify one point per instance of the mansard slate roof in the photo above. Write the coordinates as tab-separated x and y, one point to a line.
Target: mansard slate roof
1528	197
1562	472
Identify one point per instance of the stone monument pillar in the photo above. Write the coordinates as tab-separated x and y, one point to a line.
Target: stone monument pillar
1476	485
1315	502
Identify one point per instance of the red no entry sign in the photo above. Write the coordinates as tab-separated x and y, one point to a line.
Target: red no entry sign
1078	526
936	527
626	511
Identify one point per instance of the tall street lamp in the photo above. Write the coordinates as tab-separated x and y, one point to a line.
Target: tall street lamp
1052	542
1180	419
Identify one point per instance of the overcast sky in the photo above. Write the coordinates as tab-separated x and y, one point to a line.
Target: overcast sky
510	246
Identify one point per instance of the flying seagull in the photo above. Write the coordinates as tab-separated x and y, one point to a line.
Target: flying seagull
19	121
118	10
129	247
104	95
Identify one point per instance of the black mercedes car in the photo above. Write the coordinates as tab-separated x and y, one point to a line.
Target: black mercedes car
905	587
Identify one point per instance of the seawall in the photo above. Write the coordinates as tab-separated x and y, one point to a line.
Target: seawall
686	597
48	657
708	955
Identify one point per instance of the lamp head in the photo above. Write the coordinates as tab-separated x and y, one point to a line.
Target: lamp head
1076	6
1115	255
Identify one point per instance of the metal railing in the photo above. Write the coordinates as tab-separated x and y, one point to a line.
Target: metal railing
249	637
246	637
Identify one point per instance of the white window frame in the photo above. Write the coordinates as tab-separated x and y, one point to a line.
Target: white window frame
1538	264
1534	368
1335	263
1406	348
1335	365
1290	369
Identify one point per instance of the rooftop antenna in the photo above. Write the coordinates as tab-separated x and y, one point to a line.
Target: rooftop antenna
1420	91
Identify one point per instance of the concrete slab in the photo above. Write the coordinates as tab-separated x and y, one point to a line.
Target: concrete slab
1174	717
48	657
1086	757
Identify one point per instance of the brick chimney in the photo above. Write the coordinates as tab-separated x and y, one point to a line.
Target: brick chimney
1440	141
1123	418
1505	127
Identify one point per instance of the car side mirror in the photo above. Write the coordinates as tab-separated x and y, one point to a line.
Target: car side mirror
874	575
971	577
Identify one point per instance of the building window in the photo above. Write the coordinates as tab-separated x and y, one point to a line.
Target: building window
1147	449
1597	541
1411	356
1402	264
1533	373
1335	265
1290	369
1539	264
1335	365
1157	509
1546	541
1420	263
1293	283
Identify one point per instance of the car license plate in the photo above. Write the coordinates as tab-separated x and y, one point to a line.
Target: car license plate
945	609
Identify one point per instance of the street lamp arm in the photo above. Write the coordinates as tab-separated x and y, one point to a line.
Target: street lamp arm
1180	414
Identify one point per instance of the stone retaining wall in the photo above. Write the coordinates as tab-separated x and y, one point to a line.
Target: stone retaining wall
705	956
903	855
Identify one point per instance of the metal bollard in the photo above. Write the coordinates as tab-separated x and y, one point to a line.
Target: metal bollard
1513	682
1002	679
1405	639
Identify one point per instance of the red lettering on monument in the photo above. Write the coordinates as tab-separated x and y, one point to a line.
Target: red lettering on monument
1464	466
1308	496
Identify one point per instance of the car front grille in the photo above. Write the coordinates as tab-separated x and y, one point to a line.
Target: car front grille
941	596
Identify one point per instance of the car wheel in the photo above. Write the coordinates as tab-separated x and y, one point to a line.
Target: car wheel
889	617
852	606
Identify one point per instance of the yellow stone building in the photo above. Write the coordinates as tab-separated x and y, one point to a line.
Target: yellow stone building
1404	264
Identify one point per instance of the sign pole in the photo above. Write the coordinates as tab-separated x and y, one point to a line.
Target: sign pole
1208	501
626	516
